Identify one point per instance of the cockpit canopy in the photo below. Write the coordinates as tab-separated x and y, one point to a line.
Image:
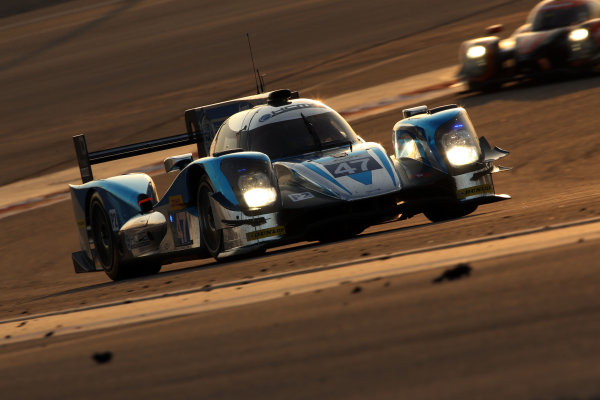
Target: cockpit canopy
555	14
300	127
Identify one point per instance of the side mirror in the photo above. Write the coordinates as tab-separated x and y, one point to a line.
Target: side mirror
177	162
493	29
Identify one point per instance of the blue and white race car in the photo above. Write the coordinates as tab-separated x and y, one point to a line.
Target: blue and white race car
282	169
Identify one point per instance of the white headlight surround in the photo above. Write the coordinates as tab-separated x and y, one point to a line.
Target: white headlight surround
257	190
476	51
579	35
460	146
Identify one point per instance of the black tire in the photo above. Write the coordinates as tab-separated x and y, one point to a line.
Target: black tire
105	242
212	238
448	212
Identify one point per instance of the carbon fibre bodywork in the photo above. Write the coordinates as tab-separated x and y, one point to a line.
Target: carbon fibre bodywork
560	37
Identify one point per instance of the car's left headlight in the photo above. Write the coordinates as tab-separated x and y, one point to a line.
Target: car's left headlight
257	189
476	51
578	35
460	146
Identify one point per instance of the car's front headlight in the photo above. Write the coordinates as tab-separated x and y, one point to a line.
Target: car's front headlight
578	35
507	44
460	146
476	51
257	189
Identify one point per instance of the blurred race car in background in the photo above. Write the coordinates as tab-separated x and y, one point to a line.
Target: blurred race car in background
279	169
559	36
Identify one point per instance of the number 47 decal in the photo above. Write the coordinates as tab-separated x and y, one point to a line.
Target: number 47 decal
182	229
353	166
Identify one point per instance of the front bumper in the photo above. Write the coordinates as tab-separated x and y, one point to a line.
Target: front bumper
436	188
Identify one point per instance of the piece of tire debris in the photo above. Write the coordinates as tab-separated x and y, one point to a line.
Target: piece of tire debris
458	272
102	357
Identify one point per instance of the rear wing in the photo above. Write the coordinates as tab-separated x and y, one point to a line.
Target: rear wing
86	159
202	124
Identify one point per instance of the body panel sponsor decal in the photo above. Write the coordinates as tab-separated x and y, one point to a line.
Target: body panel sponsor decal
176	202
265	233
284	109
295	197
475	191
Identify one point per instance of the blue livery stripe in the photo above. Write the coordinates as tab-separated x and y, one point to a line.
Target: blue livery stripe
386	163
366	178
325	175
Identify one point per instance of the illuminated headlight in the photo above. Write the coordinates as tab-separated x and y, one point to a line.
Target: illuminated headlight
462	155
476	51
579	34
460	147
257	189
507	44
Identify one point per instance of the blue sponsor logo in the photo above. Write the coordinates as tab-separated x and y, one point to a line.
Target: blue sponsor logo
264	118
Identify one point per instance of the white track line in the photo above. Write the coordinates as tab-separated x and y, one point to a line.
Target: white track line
237	293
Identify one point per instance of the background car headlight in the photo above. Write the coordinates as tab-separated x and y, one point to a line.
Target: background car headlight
579	34
257	189
507	44
460	146
476	51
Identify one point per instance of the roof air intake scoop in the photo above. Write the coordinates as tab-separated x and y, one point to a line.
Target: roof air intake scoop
279	97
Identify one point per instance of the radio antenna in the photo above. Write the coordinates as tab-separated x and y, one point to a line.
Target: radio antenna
255	72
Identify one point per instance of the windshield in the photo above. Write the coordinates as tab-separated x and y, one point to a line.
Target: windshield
301	135
552	18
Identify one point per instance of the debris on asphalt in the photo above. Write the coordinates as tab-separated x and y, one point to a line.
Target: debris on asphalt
103	357
458	272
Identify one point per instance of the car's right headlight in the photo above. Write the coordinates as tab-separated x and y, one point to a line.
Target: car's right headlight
476	51
578	35
257	189
460	146
507	44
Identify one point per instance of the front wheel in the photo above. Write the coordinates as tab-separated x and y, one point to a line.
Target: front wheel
445	212
212	238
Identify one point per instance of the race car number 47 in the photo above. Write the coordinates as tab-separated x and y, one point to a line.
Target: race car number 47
353	166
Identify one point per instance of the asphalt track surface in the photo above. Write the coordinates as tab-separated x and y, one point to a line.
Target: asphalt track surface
522	326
